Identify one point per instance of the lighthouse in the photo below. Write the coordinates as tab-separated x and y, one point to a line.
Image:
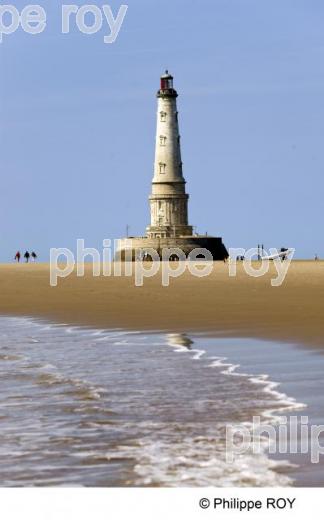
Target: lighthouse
169	226
168	200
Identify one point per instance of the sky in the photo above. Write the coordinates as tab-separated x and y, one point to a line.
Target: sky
77	124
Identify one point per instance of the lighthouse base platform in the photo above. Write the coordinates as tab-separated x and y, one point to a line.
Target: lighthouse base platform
136	248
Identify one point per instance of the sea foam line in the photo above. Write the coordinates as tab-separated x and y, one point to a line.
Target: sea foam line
285	402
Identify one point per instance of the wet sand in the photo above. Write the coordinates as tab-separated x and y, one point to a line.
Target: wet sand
242	306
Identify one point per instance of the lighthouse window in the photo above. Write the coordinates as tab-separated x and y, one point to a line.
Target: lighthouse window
163	140
162	167
163	116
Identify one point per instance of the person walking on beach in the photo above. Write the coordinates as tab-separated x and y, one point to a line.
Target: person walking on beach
17	257
34	256
27	256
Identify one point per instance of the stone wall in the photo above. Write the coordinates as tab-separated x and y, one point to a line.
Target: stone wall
132	248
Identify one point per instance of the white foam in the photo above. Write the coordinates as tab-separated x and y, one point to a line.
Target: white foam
199	354
199	462
251	468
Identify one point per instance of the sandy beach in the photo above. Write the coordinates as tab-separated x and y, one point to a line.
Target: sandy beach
242	306
123	402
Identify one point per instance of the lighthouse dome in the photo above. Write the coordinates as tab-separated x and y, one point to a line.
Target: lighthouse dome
167	75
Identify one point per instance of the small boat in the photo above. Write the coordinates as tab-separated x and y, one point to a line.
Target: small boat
283	254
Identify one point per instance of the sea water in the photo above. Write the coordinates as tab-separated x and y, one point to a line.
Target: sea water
83	407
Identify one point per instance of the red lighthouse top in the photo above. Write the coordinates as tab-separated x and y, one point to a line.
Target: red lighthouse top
166	86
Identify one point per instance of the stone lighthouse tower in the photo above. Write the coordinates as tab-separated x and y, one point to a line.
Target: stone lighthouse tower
168	201
169	227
